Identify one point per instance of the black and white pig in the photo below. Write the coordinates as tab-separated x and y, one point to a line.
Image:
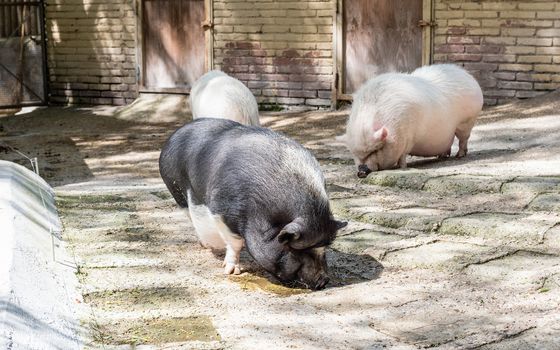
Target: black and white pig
250	186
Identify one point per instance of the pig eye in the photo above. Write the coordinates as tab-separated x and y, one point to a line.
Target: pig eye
287	266
322	244
369	155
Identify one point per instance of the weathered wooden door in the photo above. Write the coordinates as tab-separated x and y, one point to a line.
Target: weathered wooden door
22	53
379	36
173	44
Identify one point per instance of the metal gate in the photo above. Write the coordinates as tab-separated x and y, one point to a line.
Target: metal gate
22	53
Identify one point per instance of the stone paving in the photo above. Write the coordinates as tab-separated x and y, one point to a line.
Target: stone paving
447	254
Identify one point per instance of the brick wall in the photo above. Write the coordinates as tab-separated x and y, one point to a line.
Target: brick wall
282	50
91	51
512	47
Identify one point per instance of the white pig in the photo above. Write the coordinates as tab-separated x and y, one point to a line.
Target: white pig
217	95
396	114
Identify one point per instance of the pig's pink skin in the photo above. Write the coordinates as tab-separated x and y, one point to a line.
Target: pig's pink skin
422	112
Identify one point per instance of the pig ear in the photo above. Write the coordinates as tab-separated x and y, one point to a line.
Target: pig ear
340	224
291	232
381	134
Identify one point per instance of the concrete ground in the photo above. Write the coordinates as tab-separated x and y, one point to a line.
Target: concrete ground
452	254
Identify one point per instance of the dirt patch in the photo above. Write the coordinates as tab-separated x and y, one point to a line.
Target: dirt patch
140	298
158	331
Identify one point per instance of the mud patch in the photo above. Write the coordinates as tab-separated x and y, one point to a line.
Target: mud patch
158	331
252	282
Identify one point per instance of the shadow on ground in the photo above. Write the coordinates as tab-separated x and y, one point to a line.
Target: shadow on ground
76	144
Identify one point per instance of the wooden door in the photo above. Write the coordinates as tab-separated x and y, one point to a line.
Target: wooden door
22	54
173	43
379	36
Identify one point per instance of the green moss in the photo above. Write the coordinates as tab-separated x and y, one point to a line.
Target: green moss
270	107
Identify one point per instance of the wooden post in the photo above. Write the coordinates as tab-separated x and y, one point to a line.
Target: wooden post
427	32
335	58
139	45
339	49
18	92
209	35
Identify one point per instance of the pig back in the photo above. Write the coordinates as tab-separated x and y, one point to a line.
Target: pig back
184	151
265	176
217	95
460	93
238	171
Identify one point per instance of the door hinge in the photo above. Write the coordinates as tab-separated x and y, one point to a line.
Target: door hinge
207	24
422	23
336	77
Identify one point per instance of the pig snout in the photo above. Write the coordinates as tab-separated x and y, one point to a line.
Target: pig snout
321	282
313	273
315	283
363	171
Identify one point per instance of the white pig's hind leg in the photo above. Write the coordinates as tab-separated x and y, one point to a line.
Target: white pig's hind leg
234	244
205	226
463	133
463	136
402	161
445	154
462	148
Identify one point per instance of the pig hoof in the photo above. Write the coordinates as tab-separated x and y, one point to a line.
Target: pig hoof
461	153
231	269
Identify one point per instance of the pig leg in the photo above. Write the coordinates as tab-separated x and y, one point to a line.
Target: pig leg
204	225
402	161
462	147
234	244
463	136
446	154
463	133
